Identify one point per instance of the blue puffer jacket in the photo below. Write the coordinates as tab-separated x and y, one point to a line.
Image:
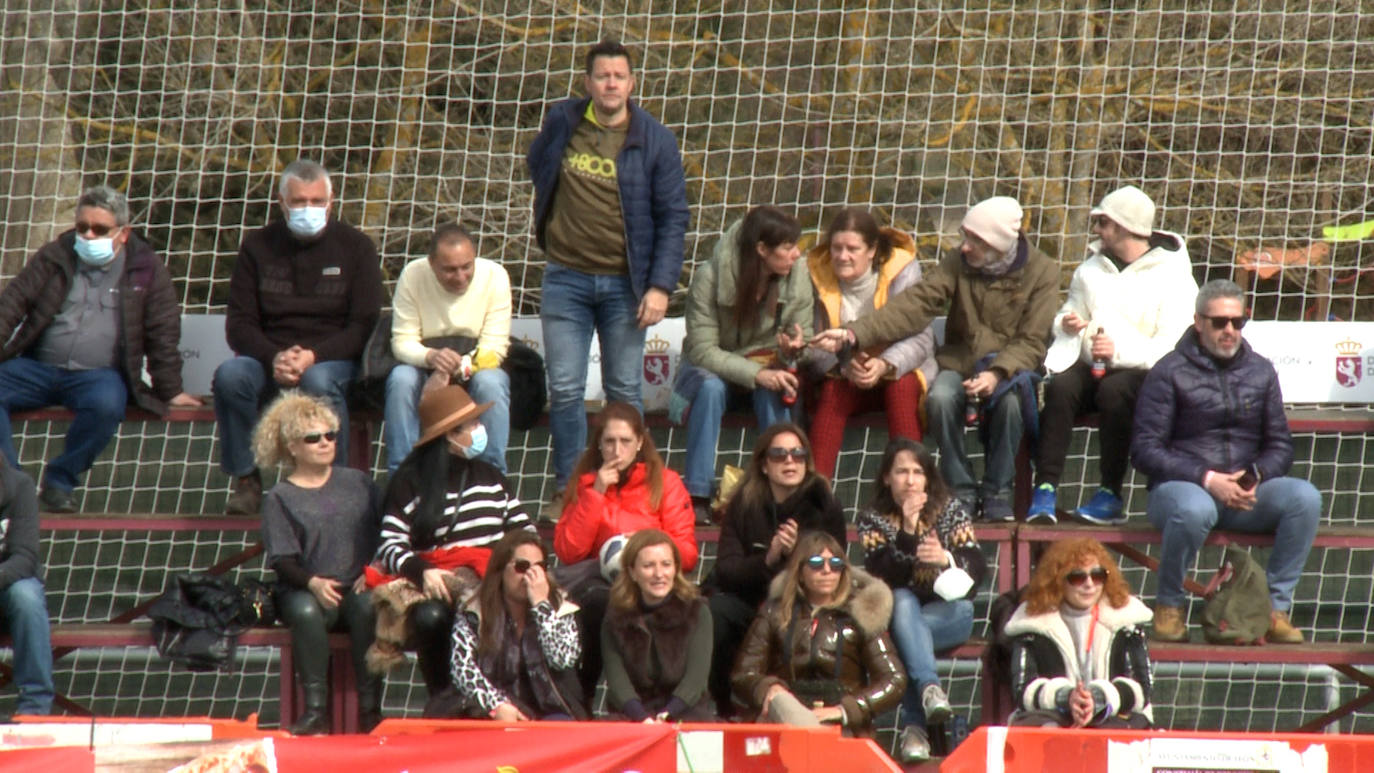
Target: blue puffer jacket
653	190
1194	415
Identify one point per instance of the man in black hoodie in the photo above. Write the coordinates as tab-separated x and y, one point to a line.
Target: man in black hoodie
23	605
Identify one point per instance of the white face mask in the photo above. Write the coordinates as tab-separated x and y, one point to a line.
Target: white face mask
95	252
307	221
479	443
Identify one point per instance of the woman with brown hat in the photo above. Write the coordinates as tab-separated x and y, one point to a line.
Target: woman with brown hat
319	525
443	510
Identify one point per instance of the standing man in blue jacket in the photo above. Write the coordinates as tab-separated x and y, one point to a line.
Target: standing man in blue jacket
610	212
1211	434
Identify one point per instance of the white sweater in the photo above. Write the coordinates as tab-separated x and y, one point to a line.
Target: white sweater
422	308
1144	307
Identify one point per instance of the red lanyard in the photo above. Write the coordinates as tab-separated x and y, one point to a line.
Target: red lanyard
1088	647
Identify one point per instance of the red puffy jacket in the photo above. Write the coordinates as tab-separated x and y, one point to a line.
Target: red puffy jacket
592	518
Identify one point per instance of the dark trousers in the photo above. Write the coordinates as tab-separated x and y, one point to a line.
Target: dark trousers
1075	392
432	623
730	619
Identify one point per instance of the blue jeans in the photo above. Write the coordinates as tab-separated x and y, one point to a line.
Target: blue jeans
242	385
1288	508
403	386
703	426
575	306
945	412
97	397
25	609
919	631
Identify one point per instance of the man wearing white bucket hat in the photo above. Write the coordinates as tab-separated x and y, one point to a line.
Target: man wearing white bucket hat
1128	303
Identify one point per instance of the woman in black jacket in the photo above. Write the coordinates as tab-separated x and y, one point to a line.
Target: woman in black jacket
781	497
1078	656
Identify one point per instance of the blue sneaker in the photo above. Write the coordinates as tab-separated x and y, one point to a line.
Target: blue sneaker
1042	505
1104	509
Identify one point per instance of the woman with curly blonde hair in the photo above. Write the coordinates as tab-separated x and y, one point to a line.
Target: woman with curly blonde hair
320	525
1079	656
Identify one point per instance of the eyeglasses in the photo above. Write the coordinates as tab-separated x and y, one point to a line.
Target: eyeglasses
522	565
1078	578
778	454
96	229
816	563
1220	323
315	437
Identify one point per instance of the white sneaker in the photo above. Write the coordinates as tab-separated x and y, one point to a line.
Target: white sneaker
936	705
913	745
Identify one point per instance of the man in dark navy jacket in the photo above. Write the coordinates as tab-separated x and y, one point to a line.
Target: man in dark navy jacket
1211	434
611	215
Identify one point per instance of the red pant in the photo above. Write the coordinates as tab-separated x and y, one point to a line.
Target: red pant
839	399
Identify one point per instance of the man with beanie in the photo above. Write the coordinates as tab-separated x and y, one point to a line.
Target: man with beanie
23	604
303	298
81	322
1129	302
1001	297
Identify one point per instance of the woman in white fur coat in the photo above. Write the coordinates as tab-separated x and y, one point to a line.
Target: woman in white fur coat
1079	656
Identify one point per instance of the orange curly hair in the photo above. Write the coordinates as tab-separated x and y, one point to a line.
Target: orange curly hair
1046	589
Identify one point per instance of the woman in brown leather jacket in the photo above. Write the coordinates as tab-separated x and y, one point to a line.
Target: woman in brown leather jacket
819	651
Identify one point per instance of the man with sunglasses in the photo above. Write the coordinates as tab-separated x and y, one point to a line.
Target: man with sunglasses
80	322
1128	303
304	296
1212	436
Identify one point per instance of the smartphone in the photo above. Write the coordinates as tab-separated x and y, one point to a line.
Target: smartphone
1248	480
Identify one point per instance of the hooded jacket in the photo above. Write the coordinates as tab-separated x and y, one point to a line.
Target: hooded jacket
1196	414
1144	307
593	517
848	643
149	315
745	534
1009	314
1045	668
714	342
900	271
653	190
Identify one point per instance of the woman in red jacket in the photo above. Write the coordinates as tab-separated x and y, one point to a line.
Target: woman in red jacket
619	486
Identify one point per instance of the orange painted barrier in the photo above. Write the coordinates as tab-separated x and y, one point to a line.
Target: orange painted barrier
1032	749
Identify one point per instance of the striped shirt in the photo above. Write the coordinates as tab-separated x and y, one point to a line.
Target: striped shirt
477	516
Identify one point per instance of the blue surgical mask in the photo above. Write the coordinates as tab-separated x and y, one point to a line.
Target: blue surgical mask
479	443
95	252
307	221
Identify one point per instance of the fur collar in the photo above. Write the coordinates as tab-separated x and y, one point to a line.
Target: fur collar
1114	619
869	603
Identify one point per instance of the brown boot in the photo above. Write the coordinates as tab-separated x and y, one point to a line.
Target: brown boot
1168	624
246	498
1281	630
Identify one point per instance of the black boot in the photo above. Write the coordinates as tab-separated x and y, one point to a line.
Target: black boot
369	702
315	719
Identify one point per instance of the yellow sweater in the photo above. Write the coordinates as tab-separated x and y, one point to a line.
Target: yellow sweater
422	308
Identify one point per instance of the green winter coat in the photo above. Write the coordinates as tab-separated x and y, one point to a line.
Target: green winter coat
713	341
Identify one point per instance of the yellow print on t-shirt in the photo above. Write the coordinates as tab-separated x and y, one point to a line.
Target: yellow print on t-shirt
590	165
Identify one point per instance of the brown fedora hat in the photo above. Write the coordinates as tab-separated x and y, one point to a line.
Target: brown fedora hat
443	409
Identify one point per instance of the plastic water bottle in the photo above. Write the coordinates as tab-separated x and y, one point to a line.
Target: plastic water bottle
1099	366
972	407
789	398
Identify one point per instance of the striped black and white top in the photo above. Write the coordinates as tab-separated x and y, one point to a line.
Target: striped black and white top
486	508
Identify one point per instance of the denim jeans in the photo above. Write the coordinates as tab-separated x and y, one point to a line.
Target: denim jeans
96	397
919	631
242	386
576	305
25	609
703	426
1288	508
402	428
945	411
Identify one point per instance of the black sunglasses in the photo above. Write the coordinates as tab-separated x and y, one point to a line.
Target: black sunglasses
522	565
96	229
315	437
778	454
816	562
1220	323
1078	578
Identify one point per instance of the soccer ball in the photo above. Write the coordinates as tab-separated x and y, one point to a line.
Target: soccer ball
610	556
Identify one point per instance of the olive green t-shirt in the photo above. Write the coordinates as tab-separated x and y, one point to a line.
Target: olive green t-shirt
585	230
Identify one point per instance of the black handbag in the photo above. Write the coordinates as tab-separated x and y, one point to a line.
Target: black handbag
197	621
261	598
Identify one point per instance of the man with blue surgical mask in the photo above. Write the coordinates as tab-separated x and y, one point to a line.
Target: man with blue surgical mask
80	323
303	298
